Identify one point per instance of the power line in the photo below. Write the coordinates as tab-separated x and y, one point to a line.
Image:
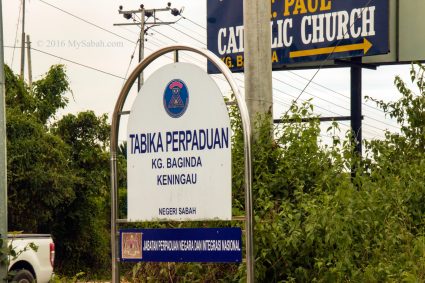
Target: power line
71	61
327	110
131	60
182	32
97	26
16	33
281	81
327	58
278	100
345	108
325	100
281	102
334	91
191	30
86	21
274	77
345	97
311	81
193	22
327	88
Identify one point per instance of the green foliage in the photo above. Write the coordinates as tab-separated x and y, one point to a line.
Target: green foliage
314	222
58	172
83	229
44	99
65	279
48	90
39	178
409	111
325	229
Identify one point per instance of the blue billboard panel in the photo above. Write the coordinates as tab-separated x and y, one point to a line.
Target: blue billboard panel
182	245
302	30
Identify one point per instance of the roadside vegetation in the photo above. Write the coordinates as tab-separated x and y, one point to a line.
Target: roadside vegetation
58	172
314	220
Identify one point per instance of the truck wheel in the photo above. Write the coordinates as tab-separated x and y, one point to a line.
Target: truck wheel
23	276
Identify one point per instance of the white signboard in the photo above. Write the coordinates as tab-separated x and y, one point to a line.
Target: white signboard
179	148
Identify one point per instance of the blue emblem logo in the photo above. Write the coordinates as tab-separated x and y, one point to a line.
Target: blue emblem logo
176	98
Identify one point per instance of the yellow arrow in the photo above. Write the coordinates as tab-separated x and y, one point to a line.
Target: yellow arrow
365	46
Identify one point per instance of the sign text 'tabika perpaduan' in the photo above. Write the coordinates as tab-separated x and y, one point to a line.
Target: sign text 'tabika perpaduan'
179	148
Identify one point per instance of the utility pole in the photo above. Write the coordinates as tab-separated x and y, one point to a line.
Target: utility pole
23	41
29	61
258	80
257	61
145	14
141	47
3	156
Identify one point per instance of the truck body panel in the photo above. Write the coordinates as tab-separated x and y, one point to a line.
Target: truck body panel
39	262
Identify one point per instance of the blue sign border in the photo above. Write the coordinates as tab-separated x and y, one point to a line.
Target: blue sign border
184	245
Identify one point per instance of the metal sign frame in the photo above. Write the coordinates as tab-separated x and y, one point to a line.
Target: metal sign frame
246	125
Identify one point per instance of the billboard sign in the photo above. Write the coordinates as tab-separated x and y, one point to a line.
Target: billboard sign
302	30
179	148
182	245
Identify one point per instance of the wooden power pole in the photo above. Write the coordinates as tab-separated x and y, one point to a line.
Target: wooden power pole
29	61
23	41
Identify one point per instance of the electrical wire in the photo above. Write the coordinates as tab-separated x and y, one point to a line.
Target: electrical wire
278	100
327	58
193	22
16	33
274	77
191	30
311	81
294	87
374	109
70	61
85	21
345	108
88	22
182	32
334	91
131	60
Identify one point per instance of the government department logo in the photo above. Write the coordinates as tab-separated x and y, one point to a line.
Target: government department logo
176	98
131	245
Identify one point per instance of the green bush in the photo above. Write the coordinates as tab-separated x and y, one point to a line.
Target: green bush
314	221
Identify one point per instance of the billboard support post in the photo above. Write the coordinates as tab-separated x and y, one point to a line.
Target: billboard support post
356	107
114	146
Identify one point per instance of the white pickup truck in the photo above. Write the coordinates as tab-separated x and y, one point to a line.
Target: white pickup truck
32	264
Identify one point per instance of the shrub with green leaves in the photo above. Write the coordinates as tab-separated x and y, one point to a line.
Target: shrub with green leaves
314	221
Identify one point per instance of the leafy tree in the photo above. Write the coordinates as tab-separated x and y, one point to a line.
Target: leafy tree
58	172
46	91
39	178
83	229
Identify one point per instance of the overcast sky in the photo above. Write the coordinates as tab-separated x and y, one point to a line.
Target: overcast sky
109	48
